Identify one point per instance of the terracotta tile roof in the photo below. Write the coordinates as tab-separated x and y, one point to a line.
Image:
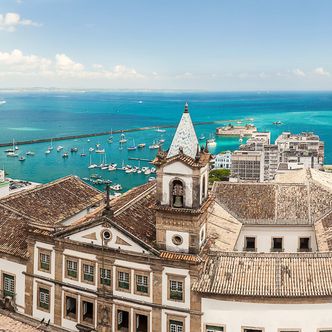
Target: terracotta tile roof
134	212
13	230
54	202
10	324
266	275
222	229
177	256
275	203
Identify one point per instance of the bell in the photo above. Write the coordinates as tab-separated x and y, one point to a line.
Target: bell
178	202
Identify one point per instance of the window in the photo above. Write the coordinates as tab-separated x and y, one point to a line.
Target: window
87	311
176	290
105	277
71	307
213	328
304	244
252	329
142	284
142	323
72	266
123	320
123	280
88	273
249	243
277	244
175	326
325	330
177	240
8	285
44	260
43	298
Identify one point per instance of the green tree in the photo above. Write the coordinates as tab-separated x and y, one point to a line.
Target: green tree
221	174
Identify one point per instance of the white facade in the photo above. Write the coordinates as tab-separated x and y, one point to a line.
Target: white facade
264	236
265	317
223	160
17	270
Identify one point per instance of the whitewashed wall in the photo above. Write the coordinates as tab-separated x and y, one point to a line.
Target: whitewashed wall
17	269
264	235
271	317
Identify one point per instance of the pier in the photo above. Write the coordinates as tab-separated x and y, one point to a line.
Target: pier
119	131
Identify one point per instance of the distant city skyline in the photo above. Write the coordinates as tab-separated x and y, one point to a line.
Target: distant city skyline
187	45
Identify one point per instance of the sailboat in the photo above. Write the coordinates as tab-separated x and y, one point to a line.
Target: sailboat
50	148
110	139
12	153
132	147
122	139
83	154
92	165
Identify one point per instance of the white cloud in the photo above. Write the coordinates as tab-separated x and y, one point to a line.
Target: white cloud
10	21
320	71
16	61
65	65
62	66
299	72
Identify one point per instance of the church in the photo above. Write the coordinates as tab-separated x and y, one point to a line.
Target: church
172	255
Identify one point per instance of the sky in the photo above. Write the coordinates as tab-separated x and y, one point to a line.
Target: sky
218	45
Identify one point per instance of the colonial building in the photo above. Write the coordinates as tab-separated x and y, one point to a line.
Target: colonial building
170	256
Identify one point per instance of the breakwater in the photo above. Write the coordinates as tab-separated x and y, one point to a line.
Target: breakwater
119	131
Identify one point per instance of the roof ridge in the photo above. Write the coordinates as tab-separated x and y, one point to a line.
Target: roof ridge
134	199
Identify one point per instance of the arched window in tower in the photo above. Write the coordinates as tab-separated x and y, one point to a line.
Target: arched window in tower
177	194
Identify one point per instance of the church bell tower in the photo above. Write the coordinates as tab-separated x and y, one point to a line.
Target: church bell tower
182	191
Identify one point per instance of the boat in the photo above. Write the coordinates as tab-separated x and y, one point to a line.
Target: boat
158	130
140	102
21	158
65	155
100	151
147	172
51	146
141	145
116	187
47	151
59	148
83	154
151	178
277	123
2	102
110	139
211	142
111	168
132	147
161	141
95	176
91	149
88	140
92	165
202	137
30	153
72	150
86	179
11	152
154	146
153	170
122	139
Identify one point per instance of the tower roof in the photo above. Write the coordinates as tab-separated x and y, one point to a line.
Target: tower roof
185	138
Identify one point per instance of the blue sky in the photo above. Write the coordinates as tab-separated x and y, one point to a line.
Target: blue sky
210	45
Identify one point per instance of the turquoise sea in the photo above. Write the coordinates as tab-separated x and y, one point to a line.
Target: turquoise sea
31	115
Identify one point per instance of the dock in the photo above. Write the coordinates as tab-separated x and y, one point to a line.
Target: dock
119	131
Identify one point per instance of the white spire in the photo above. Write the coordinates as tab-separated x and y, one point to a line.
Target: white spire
185	137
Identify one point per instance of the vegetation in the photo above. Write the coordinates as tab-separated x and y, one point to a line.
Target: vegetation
221	174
